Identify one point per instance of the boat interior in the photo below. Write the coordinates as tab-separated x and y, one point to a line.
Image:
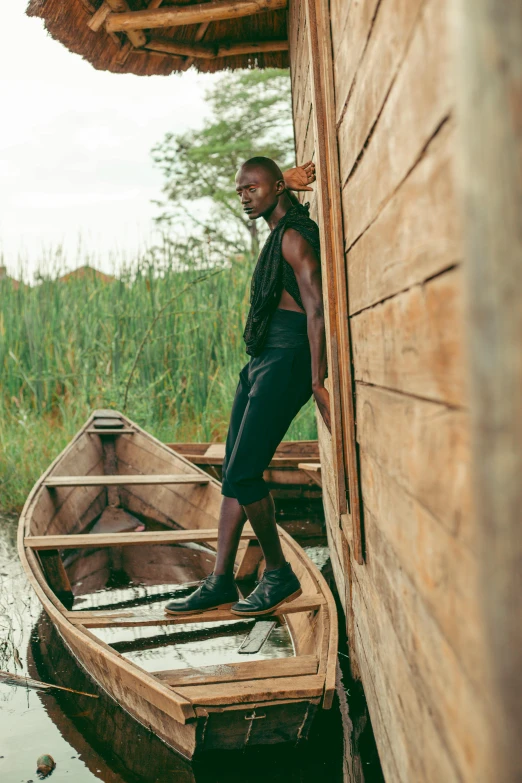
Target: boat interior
119	524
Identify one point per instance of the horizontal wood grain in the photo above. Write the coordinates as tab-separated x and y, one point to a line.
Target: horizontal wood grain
414	342
417	235
391	32
420	99
128	618
452	710
118	431
248	670
395	700
127	539
247	692
444	572
133	479
424	447
349	44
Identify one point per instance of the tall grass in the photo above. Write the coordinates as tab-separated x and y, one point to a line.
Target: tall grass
69	347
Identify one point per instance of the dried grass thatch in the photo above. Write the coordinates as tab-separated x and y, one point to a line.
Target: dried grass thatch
68	21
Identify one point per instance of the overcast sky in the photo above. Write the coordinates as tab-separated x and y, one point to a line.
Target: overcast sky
75	146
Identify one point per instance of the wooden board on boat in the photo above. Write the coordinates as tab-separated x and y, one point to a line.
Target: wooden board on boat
285	475
192	709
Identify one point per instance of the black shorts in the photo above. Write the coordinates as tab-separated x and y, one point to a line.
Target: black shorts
272	388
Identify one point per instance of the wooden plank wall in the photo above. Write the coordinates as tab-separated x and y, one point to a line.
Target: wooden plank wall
413	616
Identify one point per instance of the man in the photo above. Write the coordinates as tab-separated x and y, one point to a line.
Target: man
285	339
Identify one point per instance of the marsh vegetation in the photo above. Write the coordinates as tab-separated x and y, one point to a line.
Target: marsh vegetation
163	340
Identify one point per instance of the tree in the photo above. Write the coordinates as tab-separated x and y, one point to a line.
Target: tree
251	115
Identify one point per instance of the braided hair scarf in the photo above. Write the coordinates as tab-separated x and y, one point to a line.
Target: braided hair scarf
267	280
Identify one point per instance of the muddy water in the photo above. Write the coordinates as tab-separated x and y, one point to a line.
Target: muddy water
93	739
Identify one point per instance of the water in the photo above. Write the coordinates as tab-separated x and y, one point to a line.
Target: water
93	739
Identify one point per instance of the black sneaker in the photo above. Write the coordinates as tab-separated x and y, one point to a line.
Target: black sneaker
213	593
274	588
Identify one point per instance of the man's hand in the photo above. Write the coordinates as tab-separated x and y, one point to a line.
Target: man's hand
322	399
300	177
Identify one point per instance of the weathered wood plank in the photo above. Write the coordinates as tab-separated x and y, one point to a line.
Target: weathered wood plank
454	711
414	342
127	539
417	235
257	637
444	572
339	12
249	670
349	44
129	618
257	690
420	99
423	446
396	708
391	32
116	480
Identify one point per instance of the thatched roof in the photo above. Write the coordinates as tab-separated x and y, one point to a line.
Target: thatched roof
212	35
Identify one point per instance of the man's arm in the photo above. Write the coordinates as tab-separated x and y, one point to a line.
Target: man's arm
307	267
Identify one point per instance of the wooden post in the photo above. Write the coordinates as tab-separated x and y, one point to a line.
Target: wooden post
489	53
330	215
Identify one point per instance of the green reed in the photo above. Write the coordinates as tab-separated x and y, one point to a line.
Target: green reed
67	348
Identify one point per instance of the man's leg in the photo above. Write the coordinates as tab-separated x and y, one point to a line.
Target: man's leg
281	385
262	518
218	589
232	518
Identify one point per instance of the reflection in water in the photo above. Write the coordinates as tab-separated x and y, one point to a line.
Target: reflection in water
94	738
132	753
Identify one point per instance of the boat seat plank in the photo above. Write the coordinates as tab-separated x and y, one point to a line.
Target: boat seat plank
249	670
252	691
216	450
80	540
102	432
117	480
276	462
108	423
131	618
257	637
315	466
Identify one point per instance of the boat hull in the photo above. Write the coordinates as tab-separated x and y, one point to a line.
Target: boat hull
189	719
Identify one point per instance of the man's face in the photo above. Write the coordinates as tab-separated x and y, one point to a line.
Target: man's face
258	190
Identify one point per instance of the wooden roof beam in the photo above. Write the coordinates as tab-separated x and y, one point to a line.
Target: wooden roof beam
136	37
178	16
214	50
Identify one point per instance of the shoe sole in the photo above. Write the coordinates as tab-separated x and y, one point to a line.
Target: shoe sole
272	608
199	611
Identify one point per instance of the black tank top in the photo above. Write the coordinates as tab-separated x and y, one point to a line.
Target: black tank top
273	273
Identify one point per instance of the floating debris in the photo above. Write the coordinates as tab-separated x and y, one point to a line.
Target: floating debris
27	682
45	765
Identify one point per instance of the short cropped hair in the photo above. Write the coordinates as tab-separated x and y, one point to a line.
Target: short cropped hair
266	163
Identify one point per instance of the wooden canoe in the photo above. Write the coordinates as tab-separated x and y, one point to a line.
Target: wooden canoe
112	466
